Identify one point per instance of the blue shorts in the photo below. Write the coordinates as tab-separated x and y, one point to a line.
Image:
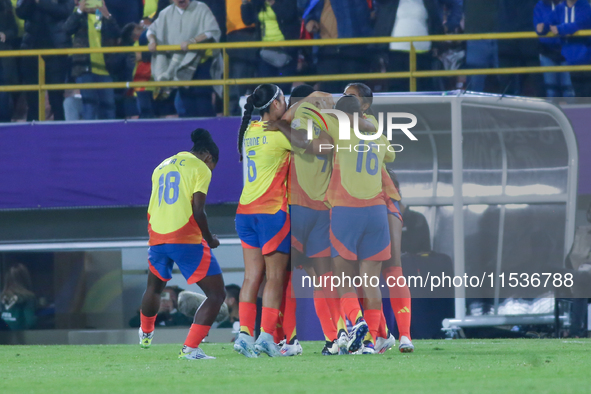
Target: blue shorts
196	261
360	233
310	231
269	232
394	208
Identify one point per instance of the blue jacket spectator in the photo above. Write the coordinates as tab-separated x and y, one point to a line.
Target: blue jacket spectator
569	20
556	84
543	14
454	12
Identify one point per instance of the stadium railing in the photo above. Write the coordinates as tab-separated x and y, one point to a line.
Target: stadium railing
412	74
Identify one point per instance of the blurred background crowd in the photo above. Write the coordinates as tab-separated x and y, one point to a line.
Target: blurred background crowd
47	24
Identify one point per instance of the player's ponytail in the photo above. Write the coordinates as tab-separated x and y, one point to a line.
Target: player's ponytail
202	142
261	99
248	108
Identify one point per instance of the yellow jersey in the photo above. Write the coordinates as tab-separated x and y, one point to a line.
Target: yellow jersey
267	157
170	212
356	178
310	174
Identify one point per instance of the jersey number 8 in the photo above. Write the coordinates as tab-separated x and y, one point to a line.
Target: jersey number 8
172	181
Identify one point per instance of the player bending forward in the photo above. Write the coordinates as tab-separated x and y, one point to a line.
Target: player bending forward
179	233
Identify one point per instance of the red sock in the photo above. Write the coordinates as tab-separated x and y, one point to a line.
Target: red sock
196	335
289	316
334	304
350	305
400	301
279	334
329	327
247	312
373	317
147	323
383	329
269	320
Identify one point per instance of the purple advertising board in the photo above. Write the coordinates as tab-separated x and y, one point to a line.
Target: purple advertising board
105	164
109	164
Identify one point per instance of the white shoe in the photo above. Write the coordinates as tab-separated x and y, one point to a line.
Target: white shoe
195	354
244	345
331	350
265	344
355	340
294	349
406	345
384	344
342	343
367	349
145	339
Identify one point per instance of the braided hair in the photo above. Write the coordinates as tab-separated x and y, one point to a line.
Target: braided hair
261	99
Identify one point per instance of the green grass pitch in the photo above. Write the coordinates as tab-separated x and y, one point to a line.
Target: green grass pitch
458	366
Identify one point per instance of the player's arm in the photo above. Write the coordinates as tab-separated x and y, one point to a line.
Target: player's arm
201	219
297	138
323	145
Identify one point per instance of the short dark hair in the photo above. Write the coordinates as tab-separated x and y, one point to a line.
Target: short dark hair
348	104
233	291
300	92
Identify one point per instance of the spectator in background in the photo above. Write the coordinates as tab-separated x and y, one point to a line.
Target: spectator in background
516	16
481	16
19	99
187	22
556	84
126	11
340	19
168	314
243	62
17	301
569	17
44	29
218	8
275	20
405	18
93	28
232	301
8	76
121	68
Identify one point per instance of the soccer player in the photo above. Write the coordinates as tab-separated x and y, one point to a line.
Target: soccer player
179	233
310	217
359	231
262	220
400	299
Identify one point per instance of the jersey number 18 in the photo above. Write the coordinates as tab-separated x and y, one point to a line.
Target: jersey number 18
165	185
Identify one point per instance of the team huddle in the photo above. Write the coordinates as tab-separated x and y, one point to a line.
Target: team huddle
309	201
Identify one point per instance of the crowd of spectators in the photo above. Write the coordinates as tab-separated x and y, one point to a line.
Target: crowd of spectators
47	24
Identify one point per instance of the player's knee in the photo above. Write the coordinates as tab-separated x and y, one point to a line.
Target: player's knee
218	297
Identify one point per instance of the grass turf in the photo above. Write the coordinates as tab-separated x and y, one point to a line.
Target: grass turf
458	366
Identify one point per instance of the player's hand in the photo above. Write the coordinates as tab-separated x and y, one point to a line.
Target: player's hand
554	29
540	27
215	242
277	125
152	46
